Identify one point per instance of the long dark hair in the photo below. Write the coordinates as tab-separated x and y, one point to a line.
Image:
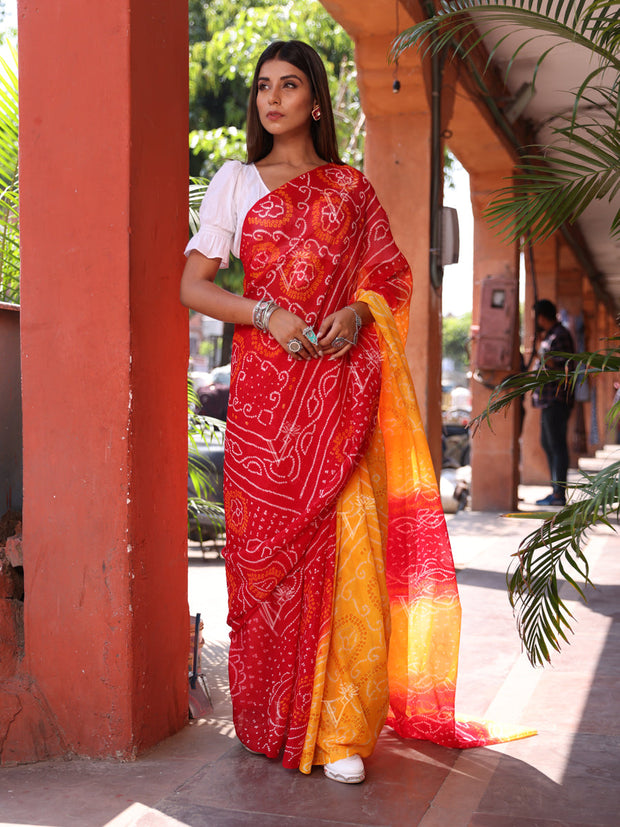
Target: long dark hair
323	132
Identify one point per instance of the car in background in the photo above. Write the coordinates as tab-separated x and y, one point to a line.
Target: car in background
205	478
212	390
219	376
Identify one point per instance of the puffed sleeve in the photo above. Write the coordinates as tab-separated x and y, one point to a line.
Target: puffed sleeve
218	215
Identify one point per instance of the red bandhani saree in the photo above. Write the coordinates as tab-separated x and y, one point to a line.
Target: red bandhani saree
334	526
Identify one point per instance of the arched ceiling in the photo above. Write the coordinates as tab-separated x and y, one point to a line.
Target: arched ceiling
559	75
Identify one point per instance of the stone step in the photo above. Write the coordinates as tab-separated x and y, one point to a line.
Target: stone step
593	464
602	458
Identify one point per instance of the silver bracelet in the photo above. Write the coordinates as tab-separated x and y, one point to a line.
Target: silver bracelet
257	312
262	313
268	314
358	322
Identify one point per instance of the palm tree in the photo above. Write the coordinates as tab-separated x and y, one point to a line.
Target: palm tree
557	548
552	185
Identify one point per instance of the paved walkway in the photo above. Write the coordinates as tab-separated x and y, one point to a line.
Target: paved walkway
568	775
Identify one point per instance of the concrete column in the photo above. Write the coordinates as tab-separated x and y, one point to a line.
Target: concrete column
103	173
592	342
570	301
10	411
495	453
397	161
611	330
605	382
600	325
534	466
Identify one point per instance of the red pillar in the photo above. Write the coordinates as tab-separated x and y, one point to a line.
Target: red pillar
397	161
485	153
559	279
535	468
103	174
495	450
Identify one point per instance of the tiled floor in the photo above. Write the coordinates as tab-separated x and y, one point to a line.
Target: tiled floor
566	776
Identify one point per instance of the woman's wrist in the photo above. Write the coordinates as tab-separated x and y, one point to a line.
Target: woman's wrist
358	322
262	312
363	311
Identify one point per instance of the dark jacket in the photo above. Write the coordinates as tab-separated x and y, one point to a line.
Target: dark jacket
558	338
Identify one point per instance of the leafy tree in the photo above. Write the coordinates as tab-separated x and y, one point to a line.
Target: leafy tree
214	146
222	64
456	336
197	19
581	167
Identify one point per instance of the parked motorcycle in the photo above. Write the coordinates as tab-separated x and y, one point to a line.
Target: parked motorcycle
455	483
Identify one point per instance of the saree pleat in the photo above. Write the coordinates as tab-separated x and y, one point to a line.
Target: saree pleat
350	698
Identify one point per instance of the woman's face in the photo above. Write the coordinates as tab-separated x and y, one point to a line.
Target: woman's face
284	98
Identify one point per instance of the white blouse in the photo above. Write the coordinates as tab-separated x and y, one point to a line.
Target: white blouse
233	190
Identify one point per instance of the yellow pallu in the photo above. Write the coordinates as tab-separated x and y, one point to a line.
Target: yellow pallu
396	616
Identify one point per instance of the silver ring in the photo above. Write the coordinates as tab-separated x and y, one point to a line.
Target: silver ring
294	345
310	335
340	341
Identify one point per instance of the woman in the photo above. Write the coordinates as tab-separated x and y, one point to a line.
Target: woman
334	528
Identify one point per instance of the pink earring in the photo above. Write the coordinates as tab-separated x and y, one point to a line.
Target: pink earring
316	112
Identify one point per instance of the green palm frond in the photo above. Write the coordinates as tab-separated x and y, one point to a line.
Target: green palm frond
606	360
551	187
9	189
201	427
197	189
542	197
553	552
197	506
595	26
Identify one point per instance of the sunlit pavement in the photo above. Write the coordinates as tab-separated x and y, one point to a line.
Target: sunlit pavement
568	774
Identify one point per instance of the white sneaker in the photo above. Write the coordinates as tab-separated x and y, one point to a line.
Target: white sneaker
349	770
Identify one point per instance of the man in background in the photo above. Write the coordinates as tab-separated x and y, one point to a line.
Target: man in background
555	399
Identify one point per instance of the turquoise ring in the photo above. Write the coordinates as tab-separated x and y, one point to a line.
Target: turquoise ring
310	335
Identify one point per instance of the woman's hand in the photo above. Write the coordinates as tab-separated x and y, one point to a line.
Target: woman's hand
286	327
337	333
